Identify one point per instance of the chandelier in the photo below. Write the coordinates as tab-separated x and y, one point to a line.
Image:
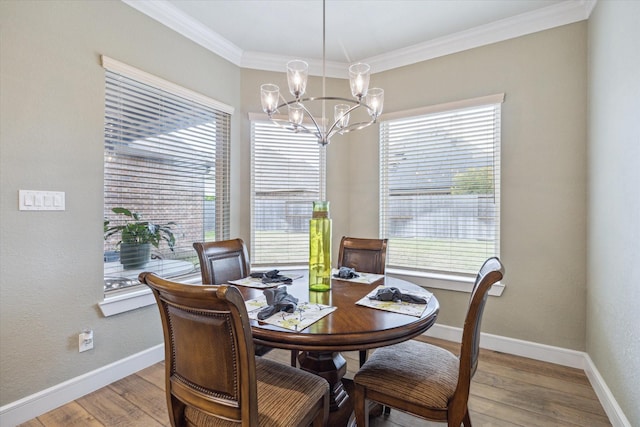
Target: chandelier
300	118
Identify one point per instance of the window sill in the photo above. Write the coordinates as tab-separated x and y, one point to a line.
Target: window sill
448	282
136	297
126	301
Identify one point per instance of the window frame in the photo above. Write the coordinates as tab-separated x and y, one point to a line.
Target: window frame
302	262
118	301
451	280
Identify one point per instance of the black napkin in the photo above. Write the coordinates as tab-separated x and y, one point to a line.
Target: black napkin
394	294
278	300
346	273
272	276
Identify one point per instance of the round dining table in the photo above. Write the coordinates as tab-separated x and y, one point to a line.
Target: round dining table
350	327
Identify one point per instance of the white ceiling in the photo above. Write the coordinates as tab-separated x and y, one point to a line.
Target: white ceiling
386	34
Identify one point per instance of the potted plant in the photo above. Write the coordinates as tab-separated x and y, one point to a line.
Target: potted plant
137	237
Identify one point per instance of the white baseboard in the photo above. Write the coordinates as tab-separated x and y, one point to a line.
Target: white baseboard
43	401
51	398
542	352
545	353
609	403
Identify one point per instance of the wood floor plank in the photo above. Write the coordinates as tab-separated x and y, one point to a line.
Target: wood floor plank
551	382
539	404
70	415
533	391
146	396
514	416
111	409
32	423
155	374
524	364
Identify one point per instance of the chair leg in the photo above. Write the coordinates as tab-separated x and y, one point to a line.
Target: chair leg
294	358
360	407
467	420
319	420
363	356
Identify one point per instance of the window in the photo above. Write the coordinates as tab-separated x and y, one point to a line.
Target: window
166	157
287	175
440	186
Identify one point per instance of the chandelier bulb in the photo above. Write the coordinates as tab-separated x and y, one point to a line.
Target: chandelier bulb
297	75
269	96
359	75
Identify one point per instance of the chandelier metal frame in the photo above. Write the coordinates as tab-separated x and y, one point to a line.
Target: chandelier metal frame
359	74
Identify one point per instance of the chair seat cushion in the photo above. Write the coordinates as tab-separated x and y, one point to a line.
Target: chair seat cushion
419	373
285	395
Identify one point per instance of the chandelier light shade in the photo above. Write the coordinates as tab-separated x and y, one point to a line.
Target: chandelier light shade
297	75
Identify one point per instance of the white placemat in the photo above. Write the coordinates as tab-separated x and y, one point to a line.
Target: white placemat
306	314
398	307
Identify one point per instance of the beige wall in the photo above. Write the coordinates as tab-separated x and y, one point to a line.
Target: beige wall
613	297
51	113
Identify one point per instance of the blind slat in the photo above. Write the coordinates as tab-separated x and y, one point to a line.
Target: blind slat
166	158
285	180
440	189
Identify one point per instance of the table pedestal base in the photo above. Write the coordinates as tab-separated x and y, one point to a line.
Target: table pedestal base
332	367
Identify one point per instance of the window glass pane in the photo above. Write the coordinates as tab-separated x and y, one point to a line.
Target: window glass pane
440	189
166	159
286	175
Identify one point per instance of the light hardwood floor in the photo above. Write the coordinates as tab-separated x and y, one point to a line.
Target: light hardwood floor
506	391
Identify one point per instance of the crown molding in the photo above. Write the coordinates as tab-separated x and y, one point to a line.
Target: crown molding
165	13
564	13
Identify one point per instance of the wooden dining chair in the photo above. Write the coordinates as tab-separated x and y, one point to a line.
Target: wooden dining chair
223	261
363	255
213	377
423	379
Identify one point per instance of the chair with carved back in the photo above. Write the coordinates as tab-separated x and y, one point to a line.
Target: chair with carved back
423	379
213	377
363	255
223	261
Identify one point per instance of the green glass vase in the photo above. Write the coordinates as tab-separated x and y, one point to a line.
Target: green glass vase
320	248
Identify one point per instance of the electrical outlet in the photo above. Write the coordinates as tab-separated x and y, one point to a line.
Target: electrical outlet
85	340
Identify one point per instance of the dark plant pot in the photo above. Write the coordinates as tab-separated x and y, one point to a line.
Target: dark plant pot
134	255
111	256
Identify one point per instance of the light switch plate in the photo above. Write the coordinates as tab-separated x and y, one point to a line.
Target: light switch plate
33	200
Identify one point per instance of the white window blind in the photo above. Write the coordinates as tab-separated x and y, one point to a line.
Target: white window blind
440	188
287	175
166	157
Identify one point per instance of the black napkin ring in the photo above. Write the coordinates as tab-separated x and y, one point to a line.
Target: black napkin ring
272	276
277	300
346	273
394	294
